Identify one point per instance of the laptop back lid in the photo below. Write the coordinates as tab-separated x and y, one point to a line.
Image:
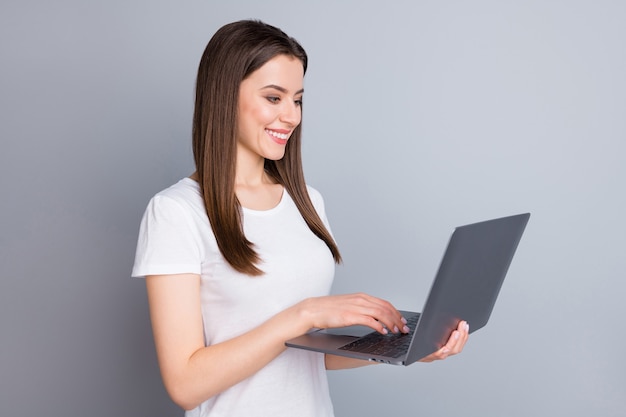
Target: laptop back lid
468	281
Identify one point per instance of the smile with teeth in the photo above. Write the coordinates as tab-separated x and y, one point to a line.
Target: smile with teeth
281	136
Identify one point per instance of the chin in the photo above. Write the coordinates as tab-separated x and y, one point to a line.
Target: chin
275	156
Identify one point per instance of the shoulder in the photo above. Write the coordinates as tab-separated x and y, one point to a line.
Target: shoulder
314	194
185	192
174	234
316	198
176	203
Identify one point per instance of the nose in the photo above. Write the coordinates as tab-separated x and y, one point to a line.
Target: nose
291	113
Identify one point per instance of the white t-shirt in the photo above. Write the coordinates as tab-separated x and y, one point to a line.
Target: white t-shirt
176	237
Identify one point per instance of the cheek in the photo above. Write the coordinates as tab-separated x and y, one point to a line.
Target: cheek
255	115
263	114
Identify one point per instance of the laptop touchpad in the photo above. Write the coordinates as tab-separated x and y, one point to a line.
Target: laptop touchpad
355	331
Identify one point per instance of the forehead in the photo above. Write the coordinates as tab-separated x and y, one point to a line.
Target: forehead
282	70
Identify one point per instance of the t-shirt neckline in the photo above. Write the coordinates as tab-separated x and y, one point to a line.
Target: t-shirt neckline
246	210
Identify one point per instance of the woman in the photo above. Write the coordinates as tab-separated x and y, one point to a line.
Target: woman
239	258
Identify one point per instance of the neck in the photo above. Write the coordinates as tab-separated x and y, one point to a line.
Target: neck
250	171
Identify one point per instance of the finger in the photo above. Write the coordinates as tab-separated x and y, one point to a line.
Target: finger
391	317
375	324
454	345
465	334
369	318
439	355
463	330
382	311
451	345
395	324
459	338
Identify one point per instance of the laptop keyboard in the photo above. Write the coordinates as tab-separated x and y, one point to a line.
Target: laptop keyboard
392	345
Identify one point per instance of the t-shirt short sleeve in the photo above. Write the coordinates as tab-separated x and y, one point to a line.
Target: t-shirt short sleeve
168	242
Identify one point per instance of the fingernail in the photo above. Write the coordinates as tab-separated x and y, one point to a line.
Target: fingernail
406	329
385	331
403	320
456	335
395	329
467	326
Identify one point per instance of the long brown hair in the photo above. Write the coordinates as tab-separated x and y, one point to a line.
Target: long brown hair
233	53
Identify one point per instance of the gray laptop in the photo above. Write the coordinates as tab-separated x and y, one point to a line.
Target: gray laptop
465	288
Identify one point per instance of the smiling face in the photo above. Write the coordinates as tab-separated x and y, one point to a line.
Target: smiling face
270	108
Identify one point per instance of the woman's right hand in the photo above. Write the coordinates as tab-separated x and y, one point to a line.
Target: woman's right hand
353	309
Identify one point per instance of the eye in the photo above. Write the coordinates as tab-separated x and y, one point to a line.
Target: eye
298	102
273	99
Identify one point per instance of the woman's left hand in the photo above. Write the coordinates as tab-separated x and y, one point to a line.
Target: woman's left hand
455	344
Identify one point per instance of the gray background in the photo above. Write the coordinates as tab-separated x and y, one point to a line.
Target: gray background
419	116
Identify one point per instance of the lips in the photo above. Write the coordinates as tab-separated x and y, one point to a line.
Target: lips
279	136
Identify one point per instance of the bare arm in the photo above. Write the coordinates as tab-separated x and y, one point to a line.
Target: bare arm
334	362
192	373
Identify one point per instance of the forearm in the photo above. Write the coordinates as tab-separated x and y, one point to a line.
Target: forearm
213	369
193	373
334	362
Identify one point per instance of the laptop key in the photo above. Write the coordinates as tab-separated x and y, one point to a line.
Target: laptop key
393	345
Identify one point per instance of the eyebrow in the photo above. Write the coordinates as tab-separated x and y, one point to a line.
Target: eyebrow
281	89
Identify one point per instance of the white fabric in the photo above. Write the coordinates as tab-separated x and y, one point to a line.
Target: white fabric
176	237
